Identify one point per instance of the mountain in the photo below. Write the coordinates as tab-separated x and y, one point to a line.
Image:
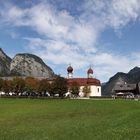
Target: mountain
24	65
4	63
30	65
133	76
134	70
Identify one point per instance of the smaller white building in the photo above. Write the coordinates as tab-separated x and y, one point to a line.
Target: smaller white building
90	85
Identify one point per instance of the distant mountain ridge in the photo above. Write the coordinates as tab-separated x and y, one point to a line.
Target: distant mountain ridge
24	64
133	76
4	63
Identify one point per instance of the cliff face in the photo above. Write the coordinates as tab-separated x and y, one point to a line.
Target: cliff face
30	65
4	63
132	77
24	65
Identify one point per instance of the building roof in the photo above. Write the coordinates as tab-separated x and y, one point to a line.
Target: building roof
84	81
125	87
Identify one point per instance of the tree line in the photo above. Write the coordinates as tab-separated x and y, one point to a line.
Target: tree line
34	86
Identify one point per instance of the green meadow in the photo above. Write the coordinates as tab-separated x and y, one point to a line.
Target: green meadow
64	119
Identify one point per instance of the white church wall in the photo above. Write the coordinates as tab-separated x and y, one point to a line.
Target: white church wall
81	94
95	91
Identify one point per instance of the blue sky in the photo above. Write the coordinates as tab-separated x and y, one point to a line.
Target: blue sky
103	34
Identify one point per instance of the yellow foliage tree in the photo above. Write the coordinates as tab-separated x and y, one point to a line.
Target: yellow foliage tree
86	91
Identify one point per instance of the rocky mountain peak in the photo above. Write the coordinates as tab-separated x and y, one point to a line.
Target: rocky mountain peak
4	63
30	65
134	70
24	64
1	51
28	55
3	55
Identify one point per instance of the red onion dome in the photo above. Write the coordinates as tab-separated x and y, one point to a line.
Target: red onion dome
90	71
70	69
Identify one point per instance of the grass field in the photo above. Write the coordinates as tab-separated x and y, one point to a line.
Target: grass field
32	119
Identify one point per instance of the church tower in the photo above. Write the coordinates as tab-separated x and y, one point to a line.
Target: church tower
90	73
70	70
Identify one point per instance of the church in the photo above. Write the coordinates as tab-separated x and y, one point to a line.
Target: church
93	84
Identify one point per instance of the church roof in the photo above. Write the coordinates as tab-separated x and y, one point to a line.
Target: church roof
84	81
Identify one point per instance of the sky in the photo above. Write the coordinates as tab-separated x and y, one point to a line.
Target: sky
101	34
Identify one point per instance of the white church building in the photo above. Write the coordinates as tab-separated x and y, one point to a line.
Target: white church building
93	84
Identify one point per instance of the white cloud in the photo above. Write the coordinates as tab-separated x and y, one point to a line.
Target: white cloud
122	12
113	13
57	52
14	15
65	38
106	64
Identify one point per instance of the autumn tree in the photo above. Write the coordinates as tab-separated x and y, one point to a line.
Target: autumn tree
59	86
31	84
74	89
44	86
18	85
86	90
7	86
1	84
